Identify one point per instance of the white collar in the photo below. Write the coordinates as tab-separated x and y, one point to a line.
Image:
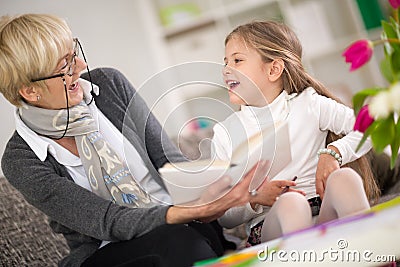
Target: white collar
276	111
41	145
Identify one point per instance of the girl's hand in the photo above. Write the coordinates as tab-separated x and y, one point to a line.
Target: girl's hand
269	192
326	165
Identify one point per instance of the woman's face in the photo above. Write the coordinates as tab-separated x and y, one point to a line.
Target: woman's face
54	97
246	74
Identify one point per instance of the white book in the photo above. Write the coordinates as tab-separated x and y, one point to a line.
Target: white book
187	181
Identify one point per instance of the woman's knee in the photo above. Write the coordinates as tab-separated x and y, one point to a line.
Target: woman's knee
186	244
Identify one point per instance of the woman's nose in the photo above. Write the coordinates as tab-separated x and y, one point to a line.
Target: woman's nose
80	64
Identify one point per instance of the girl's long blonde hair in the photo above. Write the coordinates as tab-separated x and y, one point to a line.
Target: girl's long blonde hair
275	40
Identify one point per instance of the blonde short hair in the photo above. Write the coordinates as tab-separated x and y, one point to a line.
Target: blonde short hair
31	46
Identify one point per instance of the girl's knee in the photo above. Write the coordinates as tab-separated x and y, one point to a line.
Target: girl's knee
292	200
343	176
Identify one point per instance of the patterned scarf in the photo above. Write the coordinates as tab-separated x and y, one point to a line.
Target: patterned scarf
108	176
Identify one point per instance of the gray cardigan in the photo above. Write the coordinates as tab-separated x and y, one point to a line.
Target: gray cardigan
82	217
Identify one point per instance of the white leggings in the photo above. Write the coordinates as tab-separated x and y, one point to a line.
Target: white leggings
344	195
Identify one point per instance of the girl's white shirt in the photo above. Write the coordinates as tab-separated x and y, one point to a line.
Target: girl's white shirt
309	116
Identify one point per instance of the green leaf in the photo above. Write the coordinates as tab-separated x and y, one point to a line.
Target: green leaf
395	62
395	27
367	133
395	145
383	134
386	69
388	29
359	97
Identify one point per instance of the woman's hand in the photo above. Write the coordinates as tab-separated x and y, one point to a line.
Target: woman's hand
220	197
269	192
326	165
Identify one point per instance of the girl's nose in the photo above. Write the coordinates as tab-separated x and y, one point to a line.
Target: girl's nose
226	70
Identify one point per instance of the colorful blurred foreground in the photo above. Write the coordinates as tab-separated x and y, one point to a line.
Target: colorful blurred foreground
368	239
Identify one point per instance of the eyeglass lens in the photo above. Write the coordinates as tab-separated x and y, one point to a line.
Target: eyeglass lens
75	54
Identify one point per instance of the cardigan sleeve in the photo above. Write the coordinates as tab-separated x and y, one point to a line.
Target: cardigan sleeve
45	186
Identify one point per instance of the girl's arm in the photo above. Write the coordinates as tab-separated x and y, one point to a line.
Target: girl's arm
340	119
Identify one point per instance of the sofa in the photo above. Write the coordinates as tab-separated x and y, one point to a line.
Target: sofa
27	240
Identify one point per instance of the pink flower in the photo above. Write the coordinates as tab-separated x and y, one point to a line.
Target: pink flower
363	120
358	53
395	3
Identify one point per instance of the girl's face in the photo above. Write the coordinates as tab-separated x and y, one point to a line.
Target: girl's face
247	75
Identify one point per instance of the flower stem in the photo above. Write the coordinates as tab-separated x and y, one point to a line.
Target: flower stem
390	40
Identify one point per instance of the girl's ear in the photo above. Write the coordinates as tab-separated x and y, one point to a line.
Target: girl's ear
29	93
276	69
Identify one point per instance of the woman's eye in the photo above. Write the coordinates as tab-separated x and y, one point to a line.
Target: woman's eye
65	64
237	60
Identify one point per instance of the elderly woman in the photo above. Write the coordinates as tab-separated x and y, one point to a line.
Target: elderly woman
65	156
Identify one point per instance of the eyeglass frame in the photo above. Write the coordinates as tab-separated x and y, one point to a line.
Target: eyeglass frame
71	68
71	64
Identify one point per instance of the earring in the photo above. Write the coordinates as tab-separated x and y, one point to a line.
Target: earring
38	97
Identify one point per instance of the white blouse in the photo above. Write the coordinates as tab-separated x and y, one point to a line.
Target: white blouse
310	116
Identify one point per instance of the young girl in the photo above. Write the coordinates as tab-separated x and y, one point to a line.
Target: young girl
265	75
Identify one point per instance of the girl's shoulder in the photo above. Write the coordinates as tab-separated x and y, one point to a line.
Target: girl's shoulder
231	120
309	95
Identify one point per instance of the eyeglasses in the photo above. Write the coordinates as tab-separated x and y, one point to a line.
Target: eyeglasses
71	64
71	68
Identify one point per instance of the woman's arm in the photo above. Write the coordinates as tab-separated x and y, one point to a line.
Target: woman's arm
48	186
220	197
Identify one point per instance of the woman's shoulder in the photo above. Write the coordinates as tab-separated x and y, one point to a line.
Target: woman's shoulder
15	145
18	154
15	151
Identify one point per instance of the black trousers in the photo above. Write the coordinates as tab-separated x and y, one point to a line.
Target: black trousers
165	246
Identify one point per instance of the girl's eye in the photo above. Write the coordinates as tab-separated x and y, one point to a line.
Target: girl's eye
237	60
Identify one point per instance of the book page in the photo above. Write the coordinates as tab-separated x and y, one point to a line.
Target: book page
187	181
272	144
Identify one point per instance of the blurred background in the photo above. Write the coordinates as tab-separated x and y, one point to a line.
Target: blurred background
143	37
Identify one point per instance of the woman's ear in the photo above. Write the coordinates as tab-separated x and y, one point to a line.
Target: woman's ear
276	69
29	93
